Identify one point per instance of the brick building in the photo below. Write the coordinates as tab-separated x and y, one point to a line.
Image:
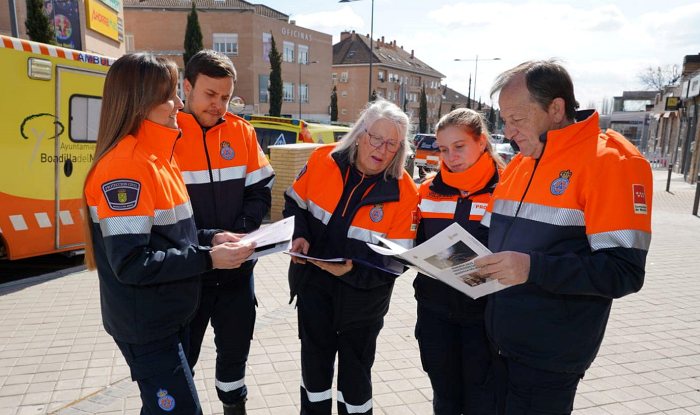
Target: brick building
243	31
397	75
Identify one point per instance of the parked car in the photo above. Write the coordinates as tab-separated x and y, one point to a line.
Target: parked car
427	153
410	159
505	150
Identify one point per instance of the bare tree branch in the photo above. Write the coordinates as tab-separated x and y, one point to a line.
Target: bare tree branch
658	78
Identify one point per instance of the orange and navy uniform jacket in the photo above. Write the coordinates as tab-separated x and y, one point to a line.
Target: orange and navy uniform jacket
145	242
582	212
444	199
228	179
386	208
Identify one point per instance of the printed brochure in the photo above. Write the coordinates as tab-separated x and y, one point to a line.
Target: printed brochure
448	257
271	238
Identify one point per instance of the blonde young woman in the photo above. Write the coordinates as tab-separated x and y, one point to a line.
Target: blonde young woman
450	327
141	236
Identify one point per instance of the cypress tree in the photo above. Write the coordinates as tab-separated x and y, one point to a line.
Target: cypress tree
423	112
193	36
275	87
334	104
39	27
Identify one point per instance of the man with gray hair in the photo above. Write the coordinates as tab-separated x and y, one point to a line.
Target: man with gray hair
570	227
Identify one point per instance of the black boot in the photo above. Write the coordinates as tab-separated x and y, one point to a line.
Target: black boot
237	408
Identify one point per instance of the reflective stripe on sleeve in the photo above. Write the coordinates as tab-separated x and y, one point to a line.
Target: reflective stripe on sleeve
296	198
364	235
126	225
620	239
319	213
172	216
258	175
486	220
93	214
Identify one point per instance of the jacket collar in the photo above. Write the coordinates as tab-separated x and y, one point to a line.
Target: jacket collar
481	176
563	138
383	191
157	138
472	179
186	118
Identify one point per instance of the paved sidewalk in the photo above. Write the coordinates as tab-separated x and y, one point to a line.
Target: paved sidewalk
56	358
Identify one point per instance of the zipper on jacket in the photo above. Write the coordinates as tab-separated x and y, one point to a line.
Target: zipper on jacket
211	174
520	204
172	151
494	298
347	202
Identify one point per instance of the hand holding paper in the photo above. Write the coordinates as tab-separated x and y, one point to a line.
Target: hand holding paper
449	257
271	238
508	267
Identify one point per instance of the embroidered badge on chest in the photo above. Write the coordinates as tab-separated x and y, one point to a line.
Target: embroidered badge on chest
226	151
165	401
560	184
122	194
376	213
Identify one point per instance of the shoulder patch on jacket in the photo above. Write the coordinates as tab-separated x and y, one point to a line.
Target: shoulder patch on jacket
640	199
122	194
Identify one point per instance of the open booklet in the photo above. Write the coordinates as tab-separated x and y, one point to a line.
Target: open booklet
271	238
385	264
449	257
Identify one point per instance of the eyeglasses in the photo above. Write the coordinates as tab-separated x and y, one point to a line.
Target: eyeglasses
377	142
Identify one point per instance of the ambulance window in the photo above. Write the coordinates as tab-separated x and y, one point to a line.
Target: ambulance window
84	118
271	136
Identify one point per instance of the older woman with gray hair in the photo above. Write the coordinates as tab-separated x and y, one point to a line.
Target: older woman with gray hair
348	193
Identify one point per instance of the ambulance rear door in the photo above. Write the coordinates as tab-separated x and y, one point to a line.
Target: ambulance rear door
78	105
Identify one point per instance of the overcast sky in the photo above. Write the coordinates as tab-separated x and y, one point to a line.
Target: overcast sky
603	44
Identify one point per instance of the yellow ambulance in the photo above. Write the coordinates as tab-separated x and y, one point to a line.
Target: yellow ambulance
49	119
281	130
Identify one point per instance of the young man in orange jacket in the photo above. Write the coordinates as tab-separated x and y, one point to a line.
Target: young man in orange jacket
228	179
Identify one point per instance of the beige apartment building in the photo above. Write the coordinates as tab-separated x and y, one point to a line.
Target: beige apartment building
397	75
88	25
244	32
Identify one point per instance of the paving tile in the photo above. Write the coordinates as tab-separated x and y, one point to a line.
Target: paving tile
55	355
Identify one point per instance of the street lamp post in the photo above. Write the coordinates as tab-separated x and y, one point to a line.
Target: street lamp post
476	66
371	50
299	87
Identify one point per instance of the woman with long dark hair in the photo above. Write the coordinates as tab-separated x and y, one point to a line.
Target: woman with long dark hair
141	236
